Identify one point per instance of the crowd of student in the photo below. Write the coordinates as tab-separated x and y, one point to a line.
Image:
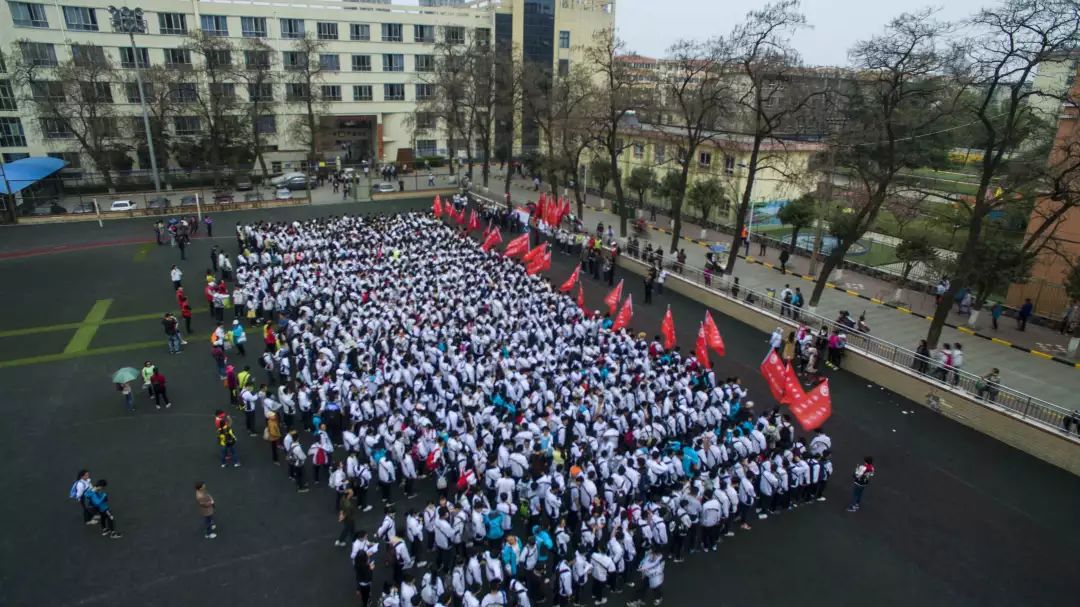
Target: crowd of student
567	458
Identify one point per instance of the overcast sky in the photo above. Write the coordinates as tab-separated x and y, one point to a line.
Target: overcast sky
650	26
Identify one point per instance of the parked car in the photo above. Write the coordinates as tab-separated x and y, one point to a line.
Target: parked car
122	205
299	182
223	197
244	184
47	208
158	202
249	196
188	200
83	208
383	187
281	179
283	194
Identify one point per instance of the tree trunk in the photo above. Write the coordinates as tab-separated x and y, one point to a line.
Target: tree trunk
941	311
827	267
676	205
485	169
794	238
744	205
580	200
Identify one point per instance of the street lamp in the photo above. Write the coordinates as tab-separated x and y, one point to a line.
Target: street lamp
130	21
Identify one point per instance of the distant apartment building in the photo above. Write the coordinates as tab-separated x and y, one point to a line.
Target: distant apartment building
373	59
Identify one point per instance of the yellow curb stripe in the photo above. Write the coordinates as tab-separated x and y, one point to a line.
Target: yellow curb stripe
852	293
965	330
830	285
903	309
1001	341
1042	354
876	300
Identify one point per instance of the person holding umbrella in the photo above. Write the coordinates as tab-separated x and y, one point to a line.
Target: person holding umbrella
123	378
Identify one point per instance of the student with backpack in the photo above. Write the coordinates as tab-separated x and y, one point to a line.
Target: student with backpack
99	501
78	491
864	472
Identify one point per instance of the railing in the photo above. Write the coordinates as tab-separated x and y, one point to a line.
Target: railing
997	395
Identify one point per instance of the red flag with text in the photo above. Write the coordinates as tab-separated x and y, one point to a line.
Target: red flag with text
517	246
534	253
701	350
814	407
493	238
541	263
570	282
474	220
625	314
436	207
712	335
667	329
779	378
612	299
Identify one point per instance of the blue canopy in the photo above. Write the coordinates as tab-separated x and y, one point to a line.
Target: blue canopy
25	172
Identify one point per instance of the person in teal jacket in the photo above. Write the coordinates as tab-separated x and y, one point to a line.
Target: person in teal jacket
544	547
99	501
494	522
510	556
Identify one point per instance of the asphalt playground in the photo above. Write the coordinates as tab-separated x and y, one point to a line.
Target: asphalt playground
953	517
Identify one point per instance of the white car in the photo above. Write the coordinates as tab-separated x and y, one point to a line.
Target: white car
121	205
283	194
280	179
384	188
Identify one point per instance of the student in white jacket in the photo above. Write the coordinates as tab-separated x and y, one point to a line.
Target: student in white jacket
652	574
602	567
387	477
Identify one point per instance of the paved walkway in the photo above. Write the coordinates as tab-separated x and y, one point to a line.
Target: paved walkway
1033	362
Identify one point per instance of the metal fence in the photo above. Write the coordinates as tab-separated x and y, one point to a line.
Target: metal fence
997	395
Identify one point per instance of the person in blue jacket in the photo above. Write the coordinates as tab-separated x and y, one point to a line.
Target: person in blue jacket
544	547
494	521
99	501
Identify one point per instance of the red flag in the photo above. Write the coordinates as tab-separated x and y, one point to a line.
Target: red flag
534	252
814	407
667	329
493	238
701	351
570	282
474	220
564	210
712	335
783	383
623	317
437	206
541	206
541	263
580	297
461	217
517	246
612	299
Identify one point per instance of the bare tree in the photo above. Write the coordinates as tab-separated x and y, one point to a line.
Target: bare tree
997	67
697	93
305	74
561	108
218	104
159	85
617	96
772	94
893	119
451	101
256	72
73	99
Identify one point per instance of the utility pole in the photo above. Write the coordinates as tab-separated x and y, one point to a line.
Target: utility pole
131	22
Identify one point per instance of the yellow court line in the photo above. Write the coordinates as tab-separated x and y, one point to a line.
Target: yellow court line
1000	341
75	325
81	340
48	358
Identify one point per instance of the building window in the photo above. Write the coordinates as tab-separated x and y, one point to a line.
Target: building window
253	27
326	30
178	57
72	160
187	125
87	54
225	91
425	120
359	31
80	18
25	14
184	92
266	125
564	39
639	151
293	60
393	92
482	36
55	128
658	153
11	133
393	63
391	32
214	25
254	60
329	62
426	147
263	91
96	92
128	57
7	96
38	53
729	165
219	58
705	159
424	33
331	92
425	63
361	63
172	23
295	91
564	67
47	90
131	91
292	28
361	92
455	34
424	92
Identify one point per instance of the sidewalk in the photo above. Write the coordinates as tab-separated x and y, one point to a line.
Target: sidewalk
1007	349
